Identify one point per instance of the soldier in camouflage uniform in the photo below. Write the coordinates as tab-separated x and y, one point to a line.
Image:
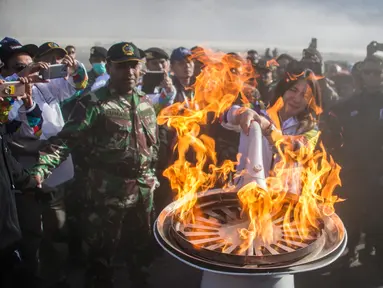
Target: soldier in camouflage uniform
115	130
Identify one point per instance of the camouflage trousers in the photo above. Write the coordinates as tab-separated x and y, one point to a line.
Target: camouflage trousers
112	235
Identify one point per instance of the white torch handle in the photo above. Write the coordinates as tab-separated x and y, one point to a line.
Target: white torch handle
250	148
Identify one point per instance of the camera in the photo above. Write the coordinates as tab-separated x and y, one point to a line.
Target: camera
374	47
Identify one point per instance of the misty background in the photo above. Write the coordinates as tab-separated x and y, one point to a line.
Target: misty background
342	26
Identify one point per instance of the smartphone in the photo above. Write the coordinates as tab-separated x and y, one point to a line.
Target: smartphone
55	71
151	80
12	89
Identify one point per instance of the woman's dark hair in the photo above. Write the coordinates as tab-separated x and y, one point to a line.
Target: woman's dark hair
309	117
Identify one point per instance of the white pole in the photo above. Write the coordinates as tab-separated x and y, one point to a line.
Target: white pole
251	150
214	280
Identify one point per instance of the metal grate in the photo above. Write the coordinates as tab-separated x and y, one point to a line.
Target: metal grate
199	244
216	229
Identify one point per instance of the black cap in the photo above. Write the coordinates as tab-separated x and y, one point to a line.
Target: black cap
10	46
156	53
98	51
124	52
48	47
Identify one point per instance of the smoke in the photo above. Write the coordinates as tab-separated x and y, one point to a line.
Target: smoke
339	25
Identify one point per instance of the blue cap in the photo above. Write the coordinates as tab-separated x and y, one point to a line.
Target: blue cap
10	46
10	41
180	54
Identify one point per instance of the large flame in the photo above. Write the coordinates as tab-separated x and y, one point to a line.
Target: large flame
312	171
221	82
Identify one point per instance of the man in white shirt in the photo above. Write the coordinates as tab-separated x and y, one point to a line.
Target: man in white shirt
49	96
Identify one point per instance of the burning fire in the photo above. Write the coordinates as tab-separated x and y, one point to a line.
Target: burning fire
216	88
312	171
316	177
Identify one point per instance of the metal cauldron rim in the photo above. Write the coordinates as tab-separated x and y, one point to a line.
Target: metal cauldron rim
331	250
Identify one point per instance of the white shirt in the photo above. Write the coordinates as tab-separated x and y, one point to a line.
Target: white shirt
49	96
100	81
289	127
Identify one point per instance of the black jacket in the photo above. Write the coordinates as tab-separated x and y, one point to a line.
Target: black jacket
12	177
359	150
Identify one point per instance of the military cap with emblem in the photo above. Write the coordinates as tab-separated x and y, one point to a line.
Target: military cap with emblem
98	51
48	47
124	52
156	53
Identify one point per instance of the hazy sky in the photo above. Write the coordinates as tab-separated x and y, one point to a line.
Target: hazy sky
339	25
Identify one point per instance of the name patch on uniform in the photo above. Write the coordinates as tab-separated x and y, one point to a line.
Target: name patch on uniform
117	114
354	113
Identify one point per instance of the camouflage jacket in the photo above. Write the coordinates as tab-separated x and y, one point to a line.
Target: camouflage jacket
117	138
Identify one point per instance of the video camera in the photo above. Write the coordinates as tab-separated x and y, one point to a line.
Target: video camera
374	47
311	59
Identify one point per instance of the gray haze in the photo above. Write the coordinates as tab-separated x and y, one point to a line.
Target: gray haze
339	25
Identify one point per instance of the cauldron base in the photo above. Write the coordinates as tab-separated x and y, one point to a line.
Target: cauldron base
215	280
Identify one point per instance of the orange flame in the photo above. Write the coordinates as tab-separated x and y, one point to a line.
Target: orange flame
311	171
216	88
272	63
316	176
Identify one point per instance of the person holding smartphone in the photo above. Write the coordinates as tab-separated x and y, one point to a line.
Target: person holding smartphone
48	96
13	179
17	59
156	82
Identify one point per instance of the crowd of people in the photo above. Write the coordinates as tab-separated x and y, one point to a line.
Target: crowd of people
83	156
